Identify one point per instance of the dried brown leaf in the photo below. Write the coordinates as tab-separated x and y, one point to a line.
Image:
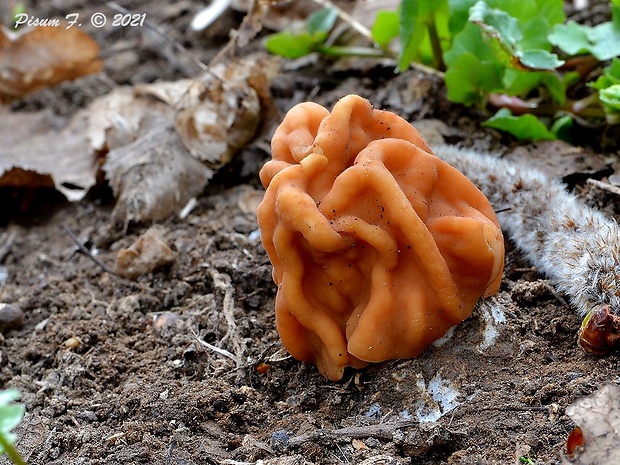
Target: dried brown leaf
44	56
598	416
34	155
115	119
149	253
154	176
221	111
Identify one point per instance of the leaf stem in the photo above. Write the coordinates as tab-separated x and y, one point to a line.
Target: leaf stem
347	51
436	46
10	451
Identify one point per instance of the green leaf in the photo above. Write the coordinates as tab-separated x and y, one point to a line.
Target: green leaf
417	18
535	17
611	76
539	59
295	45
522	127
289	45
386	27
602	41
459	14
556	87
611	97
468	80
571	38
10	415
8	395
506	39
322	20
562	128
496	23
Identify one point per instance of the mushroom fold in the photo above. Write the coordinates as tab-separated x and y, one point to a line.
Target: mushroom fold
378	247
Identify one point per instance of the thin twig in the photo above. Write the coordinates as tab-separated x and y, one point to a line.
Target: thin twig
7	239
83	250
220	351
381	430
222	282
169	454
604	186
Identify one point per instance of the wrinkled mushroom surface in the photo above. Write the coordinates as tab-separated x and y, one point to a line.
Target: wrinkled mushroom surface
378	247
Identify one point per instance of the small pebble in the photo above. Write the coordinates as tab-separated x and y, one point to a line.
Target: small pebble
279	440
11	317
72	343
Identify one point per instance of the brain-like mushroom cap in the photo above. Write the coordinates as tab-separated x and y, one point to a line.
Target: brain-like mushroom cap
378	247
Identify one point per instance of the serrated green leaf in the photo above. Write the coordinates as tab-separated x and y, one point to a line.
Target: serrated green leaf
602	41
611	97
386	27
469	40
535	17
321	20
468	80
571	38
505	36
522	127
496	23
539	59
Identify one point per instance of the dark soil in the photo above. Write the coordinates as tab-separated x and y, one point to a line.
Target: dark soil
113	371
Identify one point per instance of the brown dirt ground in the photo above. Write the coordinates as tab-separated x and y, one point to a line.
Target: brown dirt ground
140	388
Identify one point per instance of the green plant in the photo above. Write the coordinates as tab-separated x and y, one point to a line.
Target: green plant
18	9
11	415
518	56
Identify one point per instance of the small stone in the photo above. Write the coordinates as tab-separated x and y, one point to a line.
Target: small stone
11	317
279	440
72	343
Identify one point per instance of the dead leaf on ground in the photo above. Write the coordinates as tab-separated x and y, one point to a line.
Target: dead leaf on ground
154	176
149	253
559	159
43	56
598	416
35	155
162	141
219	112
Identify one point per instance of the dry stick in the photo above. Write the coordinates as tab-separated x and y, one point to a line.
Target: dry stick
83	250
7	239
222	282
382	430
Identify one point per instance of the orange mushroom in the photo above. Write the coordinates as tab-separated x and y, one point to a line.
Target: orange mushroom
378	247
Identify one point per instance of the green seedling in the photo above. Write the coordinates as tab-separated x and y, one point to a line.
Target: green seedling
18	9
518	56
11	415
